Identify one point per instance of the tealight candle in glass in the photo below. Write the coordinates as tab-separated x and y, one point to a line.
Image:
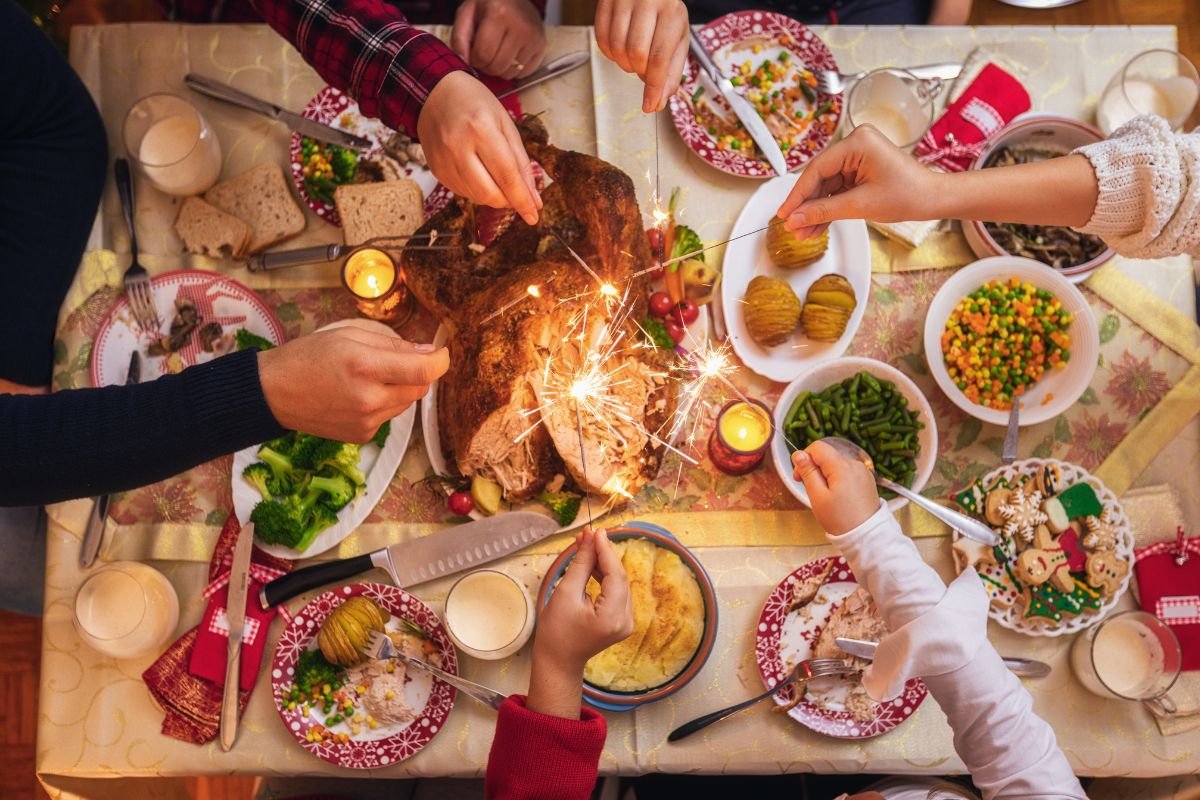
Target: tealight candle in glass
371	276
741	436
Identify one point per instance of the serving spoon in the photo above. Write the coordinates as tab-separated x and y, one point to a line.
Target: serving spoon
972	529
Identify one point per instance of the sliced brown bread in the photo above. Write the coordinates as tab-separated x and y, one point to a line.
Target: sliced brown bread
260	197
207	230
389	208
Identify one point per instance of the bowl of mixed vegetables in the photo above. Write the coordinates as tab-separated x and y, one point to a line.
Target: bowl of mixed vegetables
1005	330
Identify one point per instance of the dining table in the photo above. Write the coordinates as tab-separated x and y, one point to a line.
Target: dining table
1135	427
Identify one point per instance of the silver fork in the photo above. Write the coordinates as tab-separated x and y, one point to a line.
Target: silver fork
137	279
805	671
831	81
380	648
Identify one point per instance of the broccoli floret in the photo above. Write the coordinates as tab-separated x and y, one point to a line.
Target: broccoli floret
656	333
381	435
313	671
344	163
275	523
260	476
337	489
245	340
284	444
282	469
564	505
686	243
343	457
319	519
307	451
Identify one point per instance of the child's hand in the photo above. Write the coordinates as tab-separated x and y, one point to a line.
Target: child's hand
572	628
842	491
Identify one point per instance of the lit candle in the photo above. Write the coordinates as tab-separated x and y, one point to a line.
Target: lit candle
369	273
741	436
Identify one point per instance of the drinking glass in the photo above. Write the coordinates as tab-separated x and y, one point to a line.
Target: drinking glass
1130	656
1160	82
126	610
172	144
896	102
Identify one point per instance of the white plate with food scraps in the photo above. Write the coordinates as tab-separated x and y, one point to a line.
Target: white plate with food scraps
216	299
848	255
785	637
378	464
429	699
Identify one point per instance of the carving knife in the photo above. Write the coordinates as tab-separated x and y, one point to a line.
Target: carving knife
235	615
297	122
551	69
93	534
1023	667
749	117
427	558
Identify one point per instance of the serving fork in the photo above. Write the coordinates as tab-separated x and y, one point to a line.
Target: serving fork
830	81
380	648
138	289
805	671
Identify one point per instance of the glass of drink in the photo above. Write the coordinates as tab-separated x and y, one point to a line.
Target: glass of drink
896	102
489	615
1160	82
172	144
126	610
1130	656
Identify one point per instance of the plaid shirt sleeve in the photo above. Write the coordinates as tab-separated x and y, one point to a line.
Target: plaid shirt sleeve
367	49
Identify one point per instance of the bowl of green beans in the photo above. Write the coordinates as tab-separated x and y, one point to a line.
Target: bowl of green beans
872	404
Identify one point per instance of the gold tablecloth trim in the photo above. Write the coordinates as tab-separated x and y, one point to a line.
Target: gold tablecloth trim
1162	321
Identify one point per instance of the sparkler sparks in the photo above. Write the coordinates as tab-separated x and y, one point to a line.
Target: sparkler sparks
533	290
707	364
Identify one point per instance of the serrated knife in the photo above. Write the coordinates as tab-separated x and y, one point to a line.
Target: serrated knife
235	616
753	123
296	122
427	558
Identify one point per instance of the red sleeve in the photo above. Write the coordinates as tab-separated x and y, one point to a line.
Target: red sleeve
367	49
537	757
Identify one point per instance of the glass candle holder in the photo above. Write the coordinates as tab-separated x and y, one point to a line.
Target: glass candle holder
371	276
740	438
172	144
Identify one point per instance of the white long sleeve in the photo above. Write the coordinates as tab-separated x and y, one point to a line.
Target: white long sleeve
1148	178
1009	750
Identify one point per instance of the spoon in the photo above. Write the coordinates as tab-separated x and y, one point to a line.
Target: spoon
960	522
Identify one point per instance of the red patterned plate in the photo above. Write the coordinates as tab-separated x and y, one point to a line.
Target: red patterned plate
216	297
784	639
332	107
387	744
731	39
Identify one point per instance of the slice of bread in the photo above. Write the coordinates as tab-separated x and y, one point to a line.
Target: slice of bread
260	198
207	230
389	208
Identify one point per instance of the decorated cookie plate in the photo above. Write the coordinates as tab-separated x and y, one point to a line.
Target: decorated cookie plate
1066	555
428	697
784	638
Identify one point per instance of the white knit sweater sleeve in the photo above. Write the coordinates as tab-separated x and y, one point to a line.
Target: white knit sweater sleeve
1149	190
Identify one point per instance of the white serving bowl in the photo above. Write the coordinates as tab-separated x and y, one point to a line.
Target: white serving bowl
1065	386
825	374
1047	132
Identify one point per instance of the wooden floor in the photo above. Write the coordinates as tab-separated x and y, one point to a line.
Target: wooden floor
20	637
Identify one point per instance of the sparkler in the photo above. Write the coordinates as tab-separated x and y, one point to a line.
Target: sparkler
695	253
532	290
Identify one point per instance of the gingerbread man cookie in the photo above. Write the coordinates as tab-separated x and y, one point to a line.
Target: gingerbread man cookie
1101	535
1045	562
1106	570
1022	514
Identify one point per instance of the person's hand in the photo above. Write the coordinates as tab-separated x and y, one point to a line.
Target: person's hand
344	383
12	387
864	176
473	147
500	37
841	490
648	38
572	627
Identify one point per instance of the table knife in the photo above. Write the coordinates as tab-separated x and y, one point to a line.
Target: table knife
433	556
1008	453
754	124
297	122
1023	667
947	71
551	69
93	534
235	616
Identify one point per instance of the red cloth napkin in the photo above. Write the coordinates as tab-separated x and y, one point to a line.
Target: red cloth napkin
1168	575
192	701
992	100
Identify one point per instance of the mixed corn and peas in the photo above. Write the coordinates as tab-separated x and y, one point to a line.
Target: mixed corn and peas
1002	338
339	703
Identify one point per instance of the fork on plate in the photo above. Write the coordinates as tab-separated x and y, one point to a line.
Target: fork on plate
138	289
805	671
830	81
380	648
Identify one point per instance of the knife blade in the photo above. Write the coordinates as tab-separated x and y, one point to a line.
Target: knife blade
296	122
753	123
947	71
551	69
424	559
1024	667
93	534
1008	454
235	616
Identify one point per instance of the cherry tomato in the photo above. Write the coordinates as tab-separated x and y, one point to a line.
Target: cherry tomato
461	504
686	312
660	304
675	330
654	237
